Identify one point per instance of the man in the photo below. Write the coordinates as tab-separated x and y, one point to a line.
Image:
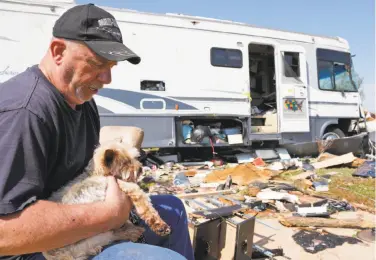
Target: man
49	126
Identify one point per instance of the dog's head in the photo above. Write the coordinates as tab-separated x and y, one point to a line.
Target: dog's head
119	159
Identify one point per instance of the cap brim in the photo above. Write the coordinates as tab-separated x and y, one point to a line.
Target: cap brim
113	51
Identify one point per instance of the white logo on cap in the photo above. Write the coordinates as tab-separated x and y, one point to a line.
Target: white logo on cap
110	26
108	22
123	53
116	35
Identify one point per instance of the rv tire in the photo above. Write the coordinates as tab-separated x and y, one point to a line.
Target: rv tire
333	133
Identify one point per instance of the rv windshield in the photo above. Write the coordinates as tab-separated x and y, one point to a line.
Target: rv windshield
336	71
337	76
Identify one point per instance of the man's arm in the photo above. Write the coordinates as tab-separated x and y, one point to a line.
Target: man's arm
27	227
47	225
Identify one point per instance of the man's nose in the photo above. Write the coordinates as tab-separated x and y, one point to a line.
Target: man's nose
105	76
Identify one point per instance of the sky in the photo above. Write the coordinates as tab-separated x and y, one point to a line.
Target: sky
353	20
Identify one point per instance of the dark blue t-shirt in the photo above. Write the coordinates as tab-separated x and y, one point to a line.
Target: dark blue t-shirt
44	143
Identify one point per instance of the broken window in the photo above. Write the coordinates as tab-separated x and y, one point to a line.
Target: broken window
342	77
292	65
335	71
153	85
325	71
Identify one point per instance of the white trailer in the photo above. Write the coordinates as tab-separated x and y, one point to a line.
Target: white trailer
247	84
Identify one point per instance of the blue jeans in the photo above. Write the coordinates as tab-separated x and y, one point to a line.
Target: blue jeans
134	251
172	211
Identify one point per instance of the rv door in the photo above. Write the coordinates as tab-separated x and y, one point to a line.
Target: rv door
291	77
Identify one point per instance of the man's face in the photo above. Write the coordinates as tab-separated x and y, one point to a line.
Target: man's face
84	73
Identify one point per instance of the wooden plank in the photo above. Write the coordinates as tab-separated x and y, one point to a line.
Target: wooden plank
325	222
338	160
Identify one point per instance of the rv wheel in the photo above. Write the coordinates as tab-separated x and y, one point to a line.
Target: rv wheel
333	133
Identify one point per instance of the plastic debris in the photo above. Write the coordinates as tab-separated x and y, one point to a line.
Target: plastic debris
181	179
274	195
367	169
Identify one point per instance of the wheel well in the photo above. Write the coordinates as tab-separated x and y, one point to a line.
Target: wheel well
330	128
343	124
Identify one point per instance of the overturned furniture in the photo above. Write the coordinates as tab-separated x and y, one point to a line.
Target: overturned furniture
217	226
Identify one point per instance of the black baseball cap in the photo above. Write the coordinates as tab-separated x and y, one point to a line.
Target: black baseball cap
98	29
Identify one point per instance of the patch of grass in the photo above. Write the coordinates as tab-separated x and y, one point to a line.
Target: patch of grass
344	186
342	171
290	173
353	189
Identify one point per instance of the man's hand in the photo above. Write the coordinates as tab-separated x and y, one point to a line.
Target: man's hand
47	225
118	203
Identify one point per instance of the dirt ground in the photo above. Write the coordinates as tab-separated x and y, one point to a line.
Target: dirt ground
343	245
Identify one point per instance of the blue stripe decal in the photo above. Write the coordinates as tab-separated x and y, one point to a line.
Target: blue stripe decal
133	99
104	110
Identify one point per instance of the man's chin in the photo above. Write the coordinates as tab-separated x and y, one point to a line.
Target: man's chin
83	100
86	100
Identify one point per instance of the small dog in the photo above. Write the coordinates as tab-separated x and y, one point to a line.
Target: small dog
115	158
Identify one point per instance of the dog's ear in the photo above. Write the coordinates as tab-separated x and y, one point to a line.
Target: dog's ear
109	156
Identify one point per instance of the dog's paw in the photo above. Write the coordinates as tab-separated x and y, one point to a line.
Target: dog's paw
161	228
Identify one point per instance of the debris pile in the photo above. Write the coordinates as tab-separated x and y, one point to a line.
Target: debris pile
303	193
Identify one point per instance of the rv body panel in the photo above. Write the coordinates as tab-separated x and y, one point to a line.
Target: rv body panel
178	78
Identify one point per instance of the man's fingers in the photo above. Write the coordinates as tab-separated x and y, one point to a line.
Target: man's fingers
111	180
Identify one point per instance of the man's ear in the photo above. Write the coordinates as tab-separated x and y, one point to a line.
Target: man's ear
58	49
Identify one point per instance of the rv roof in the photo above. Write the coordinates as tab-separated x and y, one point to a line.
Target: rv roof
47	2
209	24
330	40
240	23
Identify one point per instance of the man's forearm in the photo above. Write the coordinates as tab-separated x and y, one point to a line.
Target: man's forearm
46	225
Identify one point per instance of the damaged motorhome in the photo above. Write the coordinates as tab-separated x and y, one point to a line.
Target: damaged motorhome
205	82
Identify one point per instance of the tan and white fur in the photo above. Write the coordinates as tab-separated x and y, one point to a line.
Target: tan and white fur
116	158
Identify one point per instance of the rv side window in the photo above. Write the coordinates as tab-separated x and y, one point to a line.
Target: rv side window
291	64
335	71
230	58
153	85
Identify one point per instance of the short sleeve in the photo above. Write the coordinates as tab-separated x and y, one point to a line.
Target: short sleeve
23	159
